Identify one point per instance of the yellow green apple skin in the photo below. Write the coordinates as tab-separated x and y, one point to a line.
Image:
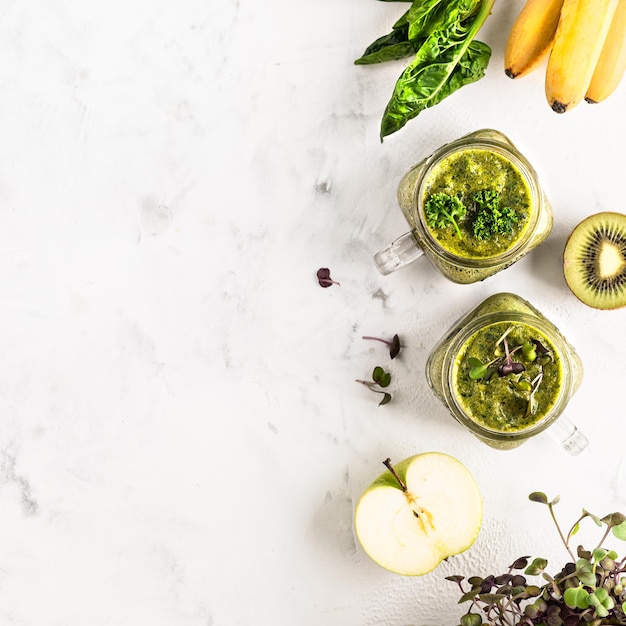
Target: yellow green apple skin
410	525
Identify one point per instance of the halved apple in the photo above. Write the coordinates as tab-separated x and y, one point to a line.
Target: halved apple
419	512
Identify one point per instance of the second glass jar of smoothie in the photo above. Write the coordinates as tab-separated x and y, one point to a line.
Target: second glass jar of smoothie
474	207
506	373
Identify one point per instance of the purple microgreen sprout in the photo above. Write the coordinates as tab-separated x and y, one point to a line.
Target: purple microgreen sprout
394	344
324	279
380	379
541	349
511	366
544	356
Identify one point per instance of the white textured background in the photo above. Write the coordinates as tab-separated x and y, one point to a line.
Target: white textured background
182	442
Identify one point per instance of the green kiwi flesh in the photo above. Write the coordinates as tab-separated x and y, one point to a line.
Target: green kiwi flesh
594	261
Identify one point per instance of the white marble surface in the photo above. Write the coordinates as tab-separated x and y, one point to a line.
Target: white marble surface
182	440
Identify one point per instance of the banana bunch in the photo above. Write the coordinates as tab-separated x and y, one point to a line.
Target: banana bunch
584	42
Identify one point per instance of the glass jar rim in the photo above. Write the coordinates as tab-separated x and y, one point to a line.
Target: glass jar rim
487	319
503	149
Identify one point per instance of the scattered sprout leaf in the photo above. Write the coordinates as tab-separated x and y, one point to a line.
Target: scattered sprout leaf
393	345
377	374
386	399
324	279
394	348
380	379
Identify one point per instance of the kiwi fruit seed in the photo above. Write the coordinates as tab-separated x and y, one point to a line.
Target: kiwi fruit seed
594	261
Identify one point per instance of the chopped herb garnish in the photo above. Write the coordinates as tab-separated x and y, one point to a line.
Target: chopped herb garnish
443	210
489	219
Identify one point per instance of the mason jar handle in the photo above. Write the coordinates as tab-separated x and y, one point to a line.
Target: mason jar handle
567	434
400	252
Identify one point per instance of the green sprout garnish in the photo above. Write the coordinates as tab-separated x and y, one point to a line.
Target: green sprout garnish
509	366
503	365
443	210
380	378
521	385
479	370
529	353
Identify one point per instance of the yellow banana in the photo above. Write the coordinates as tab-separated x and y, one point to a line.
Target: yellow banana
531	36
612	62
580	35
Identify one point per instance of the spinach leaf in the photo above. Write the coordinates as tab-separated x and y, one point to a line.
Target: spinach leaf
446	60
391	47
425	16
409	32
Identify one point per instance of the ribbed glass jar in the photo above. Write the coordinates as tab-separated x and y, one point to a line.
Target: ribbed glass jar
442	366
464	269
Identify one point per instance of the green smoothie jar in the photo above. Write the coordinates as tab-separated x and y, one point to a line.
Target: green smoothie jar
474	207
506	373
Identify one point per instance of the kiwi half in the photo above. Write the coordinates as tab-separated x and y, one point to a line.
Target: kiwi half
594	261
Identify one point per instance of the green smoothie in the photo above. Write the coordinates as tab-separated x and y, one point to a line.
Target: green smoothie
507	376
494	201
464	371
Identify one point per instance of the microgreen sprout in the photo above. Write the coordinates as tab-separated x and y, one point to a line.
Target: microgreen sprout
393	345
380	379
324	279
532	352
532	401
521	385
544	356
510	366
589	589
529	352
480	370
